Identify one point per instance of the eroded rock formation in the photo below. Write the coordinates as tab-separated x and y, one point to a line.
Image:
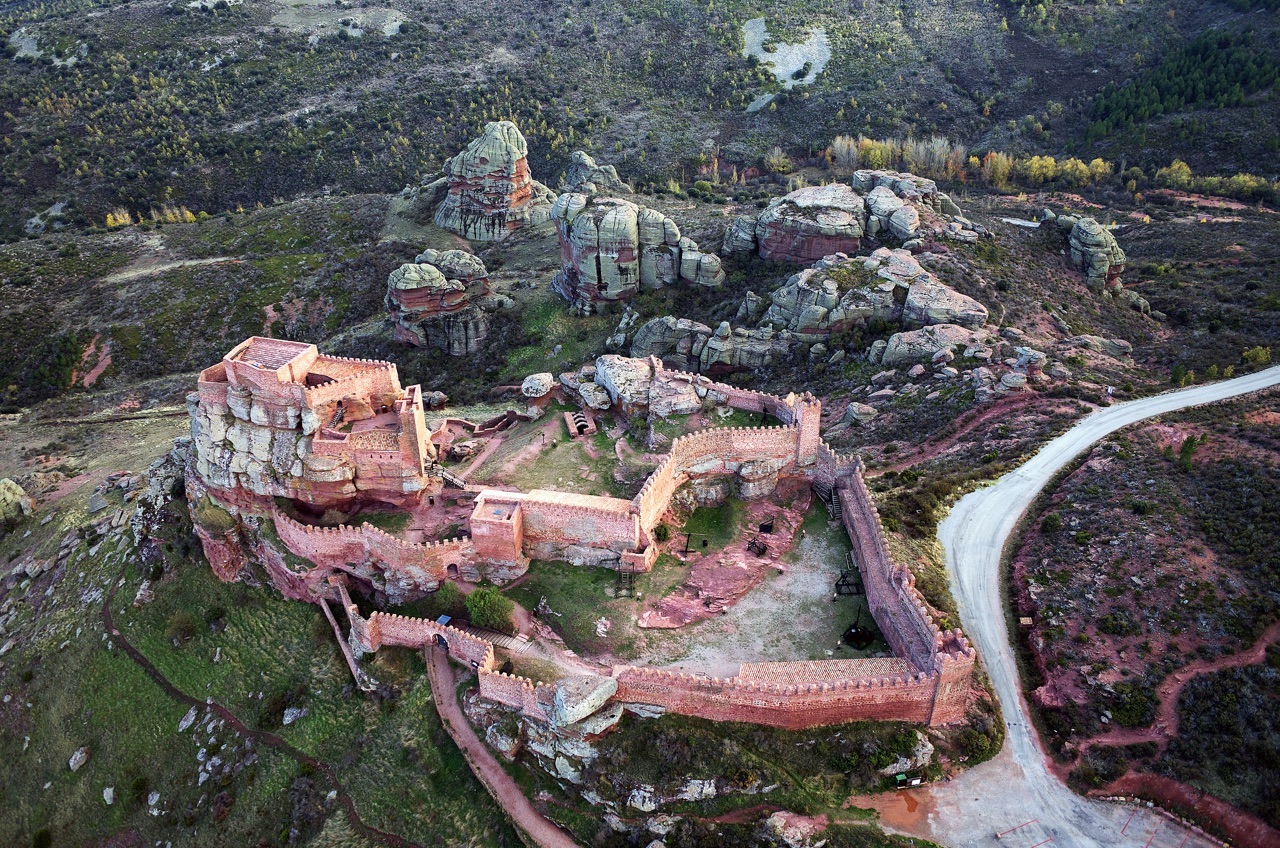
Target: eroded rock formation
586	177
814	222
690	346
807	224
486	192
14	503
840	292
610	248
441	300
1095	252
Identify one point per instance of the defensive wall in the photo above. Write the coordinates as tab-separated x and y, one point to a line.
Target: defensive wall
928	682
406	568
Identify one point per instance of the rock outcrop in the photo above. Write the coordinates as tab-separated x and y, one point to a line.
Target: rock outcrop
440	300
610	248
577	697
690	346
586	177
814	222
839	293
486	192
1095	252
807	224
14	503
924	344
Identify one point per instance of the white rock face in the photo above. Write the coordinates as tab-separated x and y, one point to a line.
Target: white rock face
626	380
921	345
14	502
610	248
78	759
579	696
537	385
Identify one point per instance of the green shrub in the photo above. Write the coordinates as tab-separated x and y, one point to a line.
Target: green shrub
181	626
1051	523
661	533
448	599
1133	705
490	608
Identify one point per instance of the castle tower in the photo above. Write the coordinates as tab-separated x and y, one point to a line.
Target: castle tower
807	412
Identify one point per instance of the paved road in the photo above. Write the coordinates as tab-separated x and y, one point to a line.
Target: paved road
1017	786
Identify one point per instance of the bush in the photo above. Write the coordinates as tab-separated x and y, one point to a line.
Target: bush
181	626
1052	523
661	533
448	599
1133	705
490	608
972	743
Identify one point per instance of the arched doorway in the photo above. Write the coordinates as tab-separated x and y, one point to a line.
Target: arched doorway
441	642
451	571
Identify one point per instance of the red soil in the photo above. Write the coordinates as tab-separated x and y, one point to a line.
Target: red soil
720	578
1240	827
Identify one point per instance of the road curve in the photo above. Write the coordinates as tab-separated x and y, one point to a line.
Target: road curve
1017	786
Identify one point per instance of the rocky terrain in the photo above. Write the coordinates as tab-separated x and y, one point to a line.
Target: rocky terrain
1143	580
881	205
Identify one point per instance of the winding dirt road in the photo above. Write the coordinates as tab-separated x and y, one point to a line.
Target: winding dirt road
1018	787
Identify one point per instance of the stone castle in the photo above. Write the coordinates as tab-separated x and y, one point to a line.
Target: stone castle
280	428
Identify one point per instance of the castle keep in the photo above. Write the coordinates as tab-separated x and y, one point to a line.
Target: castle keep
283	433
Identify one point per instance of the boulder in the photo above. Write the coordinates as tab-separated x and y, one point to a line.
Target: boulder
882	202
690	346
537	385
586	177
808	224
610	248
78	759
595	396
921	345
859	413
577	697
441	301
740	236
930	302
15	504
1095	252
626	380
905	223
890	286
487	190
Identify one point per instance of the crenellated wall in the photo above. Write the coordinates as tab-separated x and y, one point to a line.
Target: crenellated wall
718	451
405	567
519	692
928	681
796	706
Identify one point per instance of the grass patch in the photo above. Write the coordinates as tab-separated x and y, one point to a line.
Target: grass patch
717	526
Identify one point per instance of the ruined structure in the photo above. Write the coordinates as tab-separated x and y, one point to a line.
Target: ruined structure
486	192
440	300
610	248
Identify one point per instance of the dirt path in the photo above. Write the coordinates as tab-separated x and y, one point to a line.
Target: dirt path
1165	725
258	736
484	765
1018	785
147	267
